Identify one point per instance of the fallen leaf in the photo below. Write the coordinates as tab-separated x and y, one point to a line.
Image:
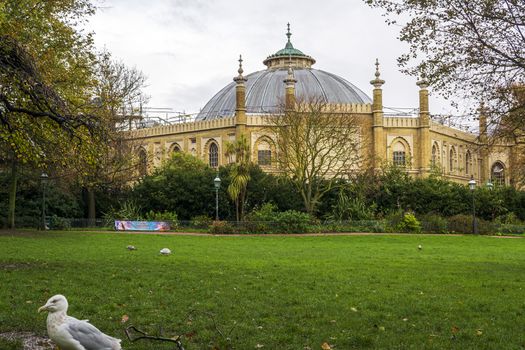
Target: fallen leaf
405	319
382	328
479	332
124	319
353	309
454	329
326	346
259	346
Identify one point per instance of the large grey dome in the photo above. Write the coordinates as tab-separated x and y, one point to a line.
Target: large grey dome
265	91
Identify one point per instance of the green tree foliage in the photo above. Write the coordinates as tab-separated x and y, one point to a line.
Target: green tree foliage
183	184
46	87
239	153
469	50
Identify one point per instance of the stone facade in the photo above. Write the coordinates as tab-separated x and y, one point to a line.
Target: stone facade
418	143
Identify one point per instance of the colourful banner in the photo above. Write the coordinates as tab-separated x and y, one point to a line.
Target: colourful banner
121	225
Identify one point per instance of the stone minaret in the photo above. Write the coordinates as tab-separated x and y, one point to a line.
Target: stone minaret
377	110
424	129
240	102
290	89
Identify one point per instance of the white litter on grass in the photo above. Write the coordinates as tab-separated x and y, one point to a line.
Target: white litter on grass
131	247
165	251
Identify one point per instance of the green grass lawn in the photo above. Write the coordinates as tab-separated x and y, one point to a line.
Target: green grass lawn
352	292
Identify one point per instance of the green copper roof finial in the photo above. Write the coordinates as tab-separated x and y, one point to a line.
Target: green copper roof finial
288	34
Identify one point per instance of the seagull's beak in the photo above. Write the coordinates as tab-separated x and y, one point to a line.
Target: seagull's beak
42	308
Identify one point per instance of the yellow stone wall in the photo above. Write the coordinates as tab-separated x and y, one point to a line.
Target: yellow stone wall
377	143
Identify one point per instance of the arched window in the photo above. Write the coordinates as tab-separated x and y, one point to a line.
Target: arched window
175	148
399	154
435	155
497	173
452	159
468	163
143	162
264	153
213	155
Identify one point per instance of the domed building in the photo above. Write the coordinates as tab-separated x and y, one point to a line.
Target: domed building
243	107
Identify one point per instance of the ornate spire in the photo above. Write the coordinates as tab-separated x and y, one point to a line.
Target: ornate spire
377	82
240	78
288	33
422	83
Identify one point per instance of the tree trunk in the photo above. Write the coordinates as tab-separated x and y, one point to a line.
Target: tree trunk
12	195
92	214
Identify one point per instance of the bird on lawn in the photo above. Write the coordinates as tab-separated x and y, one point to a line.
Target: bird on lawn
72	334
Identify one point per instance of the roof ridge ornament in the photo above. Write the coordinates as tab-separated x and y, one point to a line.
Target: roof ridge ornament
288	33
240	78
377	82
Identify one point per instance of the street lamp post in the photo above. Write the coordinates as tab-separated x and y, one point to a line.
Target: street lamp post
217	184
472	186
490	185
43	180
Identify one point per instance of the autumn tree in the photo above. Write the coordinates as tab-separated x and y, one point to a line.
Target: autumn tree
472	50
316	146
46	87
118	99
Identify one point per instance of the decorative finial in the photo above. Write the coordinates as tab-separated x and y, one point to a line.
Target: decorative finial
422	83
240	78
240	70
377	82
288	34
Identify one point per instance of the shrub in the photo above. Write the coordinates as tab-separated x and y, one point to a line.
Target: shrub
434	223
509	218
128	211
58	223
393	220
201	221
463	224
221	227
168	216
409	223
266	212
511	229
292	221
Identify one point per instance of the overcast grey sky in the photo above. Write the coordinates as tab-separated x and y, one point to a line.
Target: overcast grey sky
188	49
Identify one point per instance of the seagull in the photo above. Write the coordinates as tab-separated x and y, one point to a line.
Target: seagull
72	334
165	251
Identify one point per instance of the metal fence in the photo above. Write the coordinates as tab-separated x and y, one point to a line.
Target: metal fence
262	227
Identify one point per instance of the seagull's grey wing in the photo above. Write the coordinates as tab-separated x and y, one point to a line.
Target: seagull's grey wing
89	336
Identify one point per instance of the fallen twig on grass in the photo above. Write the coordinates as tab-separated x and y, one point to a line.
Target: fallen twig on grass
144	335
